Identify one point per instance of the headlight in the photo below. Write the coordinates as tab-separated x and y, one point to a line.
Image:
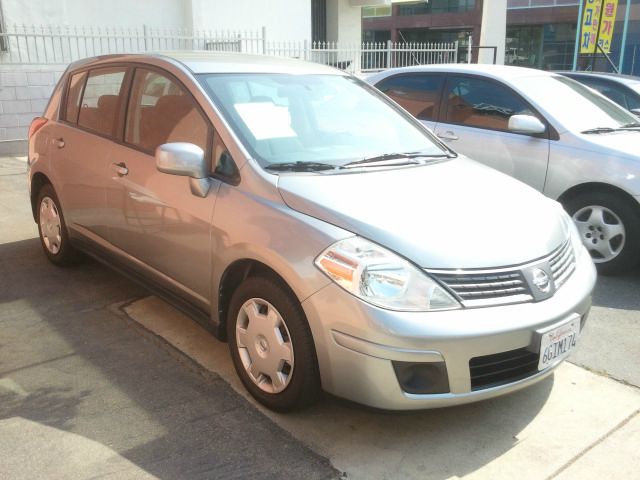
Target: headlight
379	276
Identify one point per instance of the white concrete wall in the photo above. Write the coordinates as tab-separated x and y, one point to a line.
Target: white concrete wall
125	13
285	20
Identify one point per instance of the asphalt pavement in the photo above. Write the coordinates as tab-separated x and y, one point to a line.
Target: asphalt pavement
100	380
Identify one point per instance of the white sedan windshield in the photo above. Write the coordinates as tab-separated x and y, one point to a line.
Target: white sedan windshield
575	106
283	118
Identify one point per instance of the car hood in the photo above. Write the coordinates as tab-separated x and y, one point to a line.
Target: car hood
452	214
623	142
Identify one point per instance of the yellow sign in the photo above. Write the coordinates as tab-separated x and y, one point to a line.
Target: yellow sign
598	20
607	22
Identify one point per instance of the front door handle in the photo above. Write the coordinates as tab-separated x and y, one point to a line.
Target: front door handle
60	142
448	135
121	169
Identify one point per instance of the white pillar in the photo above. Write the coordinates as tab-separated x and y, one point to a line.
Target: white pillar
344	22
493	30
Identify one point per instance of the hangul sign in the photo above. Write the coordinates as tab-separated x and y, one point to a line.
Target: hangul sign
598	20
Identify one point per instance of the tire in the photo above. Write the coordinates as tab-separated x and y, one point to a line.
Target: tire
273	351
609	226
53	229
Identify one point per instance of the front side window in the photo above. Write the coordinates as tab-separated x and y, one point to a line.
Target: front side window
76	83
161	111
418	94
332	119
99	106
481	103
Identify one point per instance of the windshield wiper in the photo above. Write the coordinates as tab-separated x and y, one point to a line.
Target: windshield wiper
409	158
599	130
626	126
300	166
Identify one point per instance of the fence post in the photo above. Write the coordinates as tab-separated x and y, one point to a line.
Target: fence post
145	32
455	52
388	53
264	40
469	49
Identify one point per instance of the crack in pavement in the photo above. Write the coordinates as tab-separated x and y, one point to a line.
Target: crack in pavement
593	445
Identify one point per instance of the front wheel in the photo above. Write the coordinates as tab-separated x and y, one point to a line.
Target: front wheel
609	226
271	345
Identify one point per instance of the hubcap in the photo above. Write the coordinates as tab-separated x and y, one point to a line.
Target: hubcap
50	225
264	345
602	232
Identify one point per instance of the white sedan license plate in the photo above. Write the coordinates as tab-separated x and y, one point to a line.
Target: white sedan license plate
556	344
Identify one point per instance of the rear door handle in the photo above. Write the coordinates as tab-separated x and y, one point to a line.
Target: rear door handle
121	169
448	135
60	142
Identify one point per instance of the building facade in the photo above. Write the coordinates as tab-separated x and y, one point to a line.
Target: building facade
540	33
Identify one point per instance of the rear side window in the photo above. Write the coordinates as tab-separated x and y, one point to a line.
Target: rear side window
99	106
418	94
481	103
161	111
73	97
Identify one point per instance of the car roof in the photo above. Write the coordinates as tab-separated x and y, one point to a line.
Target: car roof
219	62
617	77
503	72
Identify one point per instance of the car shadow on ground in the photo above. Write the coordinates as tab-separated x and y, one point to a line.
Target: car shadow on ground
68	362
621	291
90	372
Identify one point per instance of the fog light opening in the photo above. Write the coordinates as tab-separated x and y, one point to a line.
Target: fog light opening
422	378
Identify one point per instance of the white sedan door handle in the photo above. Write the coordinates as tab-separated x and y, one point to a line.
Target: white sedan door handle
448	135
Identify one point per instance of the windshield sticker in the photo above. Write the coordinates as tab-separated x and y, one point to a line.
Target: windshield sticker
266	120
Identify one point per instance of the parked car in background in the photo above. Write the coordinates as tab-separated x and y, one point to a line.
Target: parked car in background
307	219
544	129
622	89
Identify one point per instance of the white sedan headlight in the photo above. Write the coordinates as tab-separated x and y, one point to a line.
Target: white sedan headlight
379	276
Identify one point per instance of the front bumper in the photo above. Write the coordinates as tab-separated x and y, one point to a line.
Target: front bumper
357	343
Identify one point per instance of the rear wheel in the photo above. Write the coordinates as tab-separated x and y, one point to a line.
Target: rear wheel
53	230
609	226
271	345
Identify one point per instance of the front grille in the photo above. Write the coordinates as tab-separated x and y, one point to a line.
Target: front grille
487	288
502	368
562	263
475	288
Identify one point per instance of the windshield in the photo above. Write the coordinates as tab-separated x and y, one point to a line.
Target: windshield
574	105
332	119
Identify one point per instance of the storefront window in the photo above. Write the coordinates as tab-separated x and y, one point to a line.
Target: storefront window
437	6
541	46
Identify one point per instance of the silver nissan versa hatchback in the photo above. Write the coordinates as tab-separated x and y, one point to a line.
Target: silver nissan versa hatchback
305	218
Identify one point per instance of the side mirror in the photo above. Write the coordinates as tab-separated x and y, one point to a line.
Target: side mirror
185	159
526	124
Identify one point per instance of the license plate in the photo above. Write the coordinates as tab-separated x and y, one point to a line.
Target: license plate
556	344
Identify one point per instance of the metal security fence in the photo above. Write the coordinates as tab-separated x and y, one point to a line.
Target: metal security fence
52	45
366	57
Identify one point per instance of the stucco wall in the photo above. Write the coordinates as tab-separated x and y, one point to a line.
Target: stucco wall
285	20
